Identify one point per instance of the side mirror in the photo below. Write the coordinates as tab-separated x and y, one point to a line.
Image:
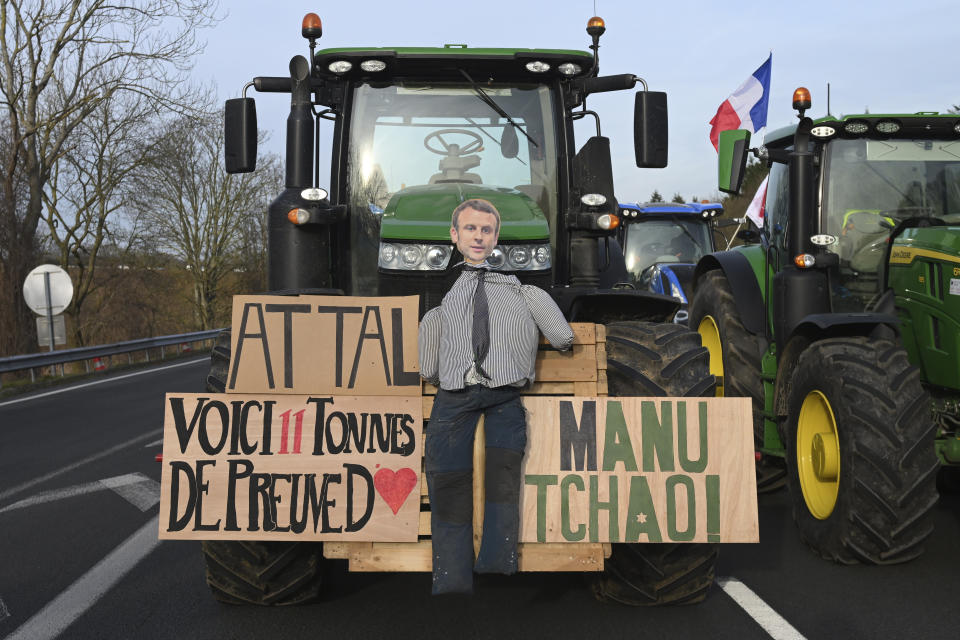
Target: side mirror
509	144
734	144
240	135
749	236
650	129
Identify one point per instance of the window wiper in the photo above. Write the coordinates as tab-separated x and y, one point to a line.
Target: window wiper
487	133
482	95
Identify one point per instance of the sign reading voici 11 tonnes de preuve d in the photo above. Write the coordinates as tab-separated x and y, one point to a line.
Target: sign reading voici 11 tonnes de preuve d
320	437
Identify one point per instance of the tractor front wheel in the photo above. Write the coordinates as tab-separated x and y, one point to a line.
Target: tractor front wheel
649	359
735	360
261	573
860	452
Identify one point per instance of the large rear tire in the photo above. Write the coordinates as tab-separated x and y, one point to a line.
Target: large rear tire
860	452
261	573
735	359
649	359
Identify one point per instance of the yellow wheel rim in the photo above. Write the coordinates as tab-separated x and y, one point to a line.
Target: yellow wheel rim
818	455
710	338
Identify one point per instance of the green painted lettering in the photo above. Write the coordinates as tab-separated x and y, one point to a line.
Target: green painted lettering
657	432
569	534
541	482
641	514
698	465
713	508
610	506
617	446
691	531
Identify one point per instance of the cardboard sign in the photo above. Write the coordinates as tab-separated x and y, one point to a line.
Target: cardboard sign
324	345
284	467
639	470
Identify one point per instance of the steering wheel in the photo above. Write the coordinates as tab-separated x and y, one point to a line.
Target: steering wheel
475	143
868	258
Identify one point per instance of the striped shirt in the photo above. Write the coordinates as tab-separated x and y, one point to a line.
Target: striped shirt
517	312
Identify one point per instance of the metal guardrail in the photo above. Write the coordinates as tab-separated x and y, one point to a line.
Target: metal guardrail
52	358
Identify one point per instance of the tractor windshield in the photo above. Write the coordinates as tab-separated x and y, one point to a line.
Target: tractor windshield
418	134
658	240
869	186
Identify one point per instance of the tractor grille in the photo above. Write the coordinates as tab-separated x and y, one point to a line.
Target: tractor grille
433	286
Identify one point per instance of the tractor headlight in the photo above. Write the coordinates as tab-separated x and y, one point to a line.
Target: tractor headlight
414	257
373	66
888	127
521	257
340	66
676	292
856	127
537	66
437	257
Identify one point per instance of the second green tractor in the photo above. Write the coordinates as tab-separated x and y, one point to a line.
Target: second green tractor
843	323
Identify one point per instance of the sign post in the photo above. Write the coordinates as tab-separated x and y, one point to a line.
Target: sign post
48	290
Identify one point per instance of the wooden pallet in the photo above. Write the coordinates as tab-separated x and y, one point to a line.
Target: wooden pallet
582	371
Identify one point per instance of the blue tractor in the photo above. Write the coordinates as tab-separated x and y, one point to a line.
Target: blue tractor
662	243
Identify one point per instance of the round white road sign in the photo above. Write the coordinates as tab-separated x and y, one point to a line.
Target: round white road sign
61	289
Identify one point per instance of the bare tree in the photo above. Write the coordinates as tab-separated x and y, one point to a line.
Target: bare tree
85	190
59	61
199	213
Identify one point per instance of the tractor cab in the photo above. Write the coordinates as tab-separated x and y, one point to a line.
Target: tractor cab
662	243
870	174
417	131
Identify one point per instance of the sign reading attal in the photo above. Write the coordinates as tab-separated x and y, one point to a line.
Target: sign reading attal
319	436
324	344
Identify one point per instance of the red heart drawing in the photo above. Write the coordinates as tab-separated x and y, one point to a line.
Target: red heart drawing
395	487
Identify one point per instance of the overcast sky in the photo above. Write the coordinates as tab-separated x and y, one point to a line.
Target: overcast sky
884	56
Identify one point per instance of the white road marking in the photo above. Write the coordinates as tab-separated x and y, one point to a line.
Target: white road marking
110	379
136	488
63	610
771	621
70	467
4	612
155	443
143	494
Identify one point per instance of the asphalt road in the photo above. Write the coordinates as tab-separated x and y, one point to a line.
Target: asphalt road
79	557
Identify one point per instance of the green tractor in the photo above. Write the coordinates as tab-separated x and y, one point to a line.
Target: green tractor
842	324
416	131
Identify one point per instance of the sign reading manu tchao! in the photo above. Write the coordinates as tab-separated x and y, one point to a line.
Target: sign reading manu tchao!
639	470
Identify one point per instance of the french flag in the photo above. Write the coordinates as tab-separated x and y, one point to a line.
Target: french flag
746	108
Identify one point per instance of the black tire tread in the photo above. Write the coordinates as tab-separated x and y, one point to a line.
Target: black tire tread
742	354
646	358
257	573
887	487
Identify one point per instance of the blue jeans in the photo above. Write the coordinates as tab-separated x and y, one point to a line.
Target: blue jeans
449	466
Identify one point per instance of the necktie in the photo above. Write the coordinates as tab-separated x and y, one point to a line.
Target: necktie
481	325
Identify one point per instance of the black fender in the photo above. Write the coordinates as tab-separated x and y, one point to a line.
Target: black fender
584	304
833	325
818	326
743	282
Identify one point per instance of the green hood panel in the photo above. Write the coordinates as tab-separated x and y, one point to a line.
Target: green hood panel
423	213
